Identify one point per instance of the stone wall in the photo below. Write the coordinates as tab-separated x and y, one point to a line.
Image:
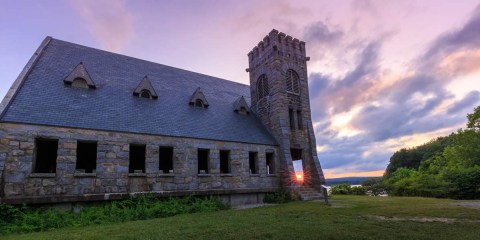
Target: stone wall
17	147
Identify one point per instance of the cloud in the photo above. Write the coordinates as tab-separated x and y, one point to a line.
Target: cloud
471	100
320	34
465	38
389	107
110	22
348	91
278	13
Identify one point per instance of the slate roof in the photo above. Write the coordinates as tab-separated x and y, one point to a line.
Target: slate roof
45	99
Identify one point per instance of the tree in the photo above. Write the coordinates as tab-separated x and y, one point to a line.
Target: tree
474	119
374	186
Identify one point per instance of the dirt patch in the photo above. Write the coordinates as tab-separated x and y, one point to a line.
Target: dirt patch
422	219
475	204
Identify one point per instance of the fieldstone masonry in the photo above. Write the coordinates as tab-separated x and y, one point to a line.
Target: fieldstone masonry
112	176
274	57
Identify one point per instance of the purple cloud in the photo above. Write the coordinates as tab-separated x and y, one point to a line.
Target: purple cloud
405	107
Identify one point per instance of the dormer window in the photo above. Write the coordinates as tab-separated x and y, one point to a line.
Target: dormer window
79	78
145	94
199	103
243	110
145	89
241	106
80	83
198	99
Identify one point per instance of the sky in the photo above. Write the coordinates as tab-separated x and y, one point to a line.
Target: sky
383	75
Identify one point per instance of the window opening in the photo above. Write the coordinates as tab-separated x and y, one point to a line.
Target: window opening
203	160
166	159
292	82
262	87
224	161
137	158
292	120
46	155
269	163
145	94
299	120
199	103
243	110
86	156
252	160
80	83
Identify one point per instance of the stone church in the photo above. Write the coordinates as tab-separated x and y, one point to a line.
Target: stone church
82	124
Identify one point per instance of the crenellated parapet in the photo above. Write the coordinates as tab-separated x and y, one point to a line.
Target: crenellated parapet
277	45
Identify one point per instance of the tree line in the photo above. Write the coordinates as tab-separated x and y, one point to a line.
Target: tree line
444	167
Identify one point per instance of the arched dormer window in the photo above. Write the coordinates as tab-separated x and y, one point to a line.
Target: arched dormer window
79	83
198	99
241	106
199	103
145	94
79	78
262	87
145	89
292	81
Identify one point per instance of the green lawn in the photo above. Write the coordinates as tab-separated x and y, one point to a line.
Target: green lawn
347	217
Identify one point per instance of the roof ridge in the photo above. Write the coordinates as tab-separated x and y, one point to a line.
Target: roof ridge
126	56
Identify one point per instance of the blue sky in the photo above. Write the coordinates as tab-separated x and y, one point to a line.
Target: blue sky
383	75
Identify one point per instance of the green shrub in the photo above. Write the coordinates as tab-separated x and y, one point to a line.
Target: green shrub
358	190
280	196
22	219
374	186
341	189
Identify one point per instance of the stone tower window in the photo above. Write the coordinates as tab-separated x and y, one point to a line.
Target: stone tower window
292	82
299	120
262	87
291	117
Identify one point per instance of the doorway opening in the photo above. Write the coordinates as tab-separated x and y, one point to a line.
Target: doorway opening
298	174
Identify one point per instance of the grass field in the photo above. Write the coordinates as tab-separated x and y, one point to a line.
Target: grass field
347	217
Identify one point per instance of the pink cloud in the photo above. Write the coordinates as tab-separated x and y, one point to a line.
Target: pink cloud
110	22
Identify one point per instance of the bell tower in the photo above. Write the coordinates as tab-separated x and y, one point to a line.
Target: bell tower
279	95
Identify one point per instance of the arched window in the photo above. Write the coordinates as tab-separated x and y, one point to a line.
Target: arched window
262	87
292	82
198	103
145	94
80	83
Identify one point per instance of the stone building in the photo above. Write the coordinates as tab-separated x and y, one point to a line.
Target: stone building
81	124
